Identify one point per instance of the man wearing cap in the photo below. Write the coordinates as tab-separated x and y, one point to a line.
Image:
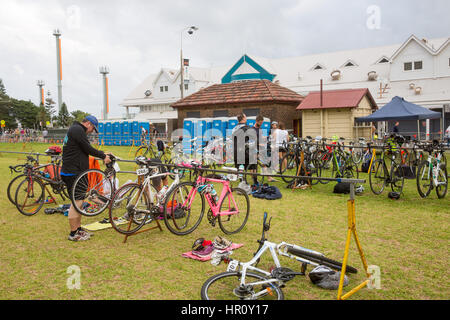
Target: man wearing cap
75	158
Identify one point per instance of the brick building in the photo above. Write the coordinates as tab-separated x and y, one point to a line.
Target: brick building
252	97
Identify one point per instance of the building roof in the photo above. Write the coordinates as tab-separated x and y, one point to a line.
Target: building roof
349	98
240	92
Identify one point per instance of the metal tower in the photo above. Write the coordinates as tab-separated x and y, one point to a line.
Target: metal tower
104	70
57	34
41	84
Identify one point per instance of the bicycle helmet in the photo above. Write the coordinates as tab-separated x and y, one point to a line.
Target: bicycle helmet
325	277
394	195
198	244
53	150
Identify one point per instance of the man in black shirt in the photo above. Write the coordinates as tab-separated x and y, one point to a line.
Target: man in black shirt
75	158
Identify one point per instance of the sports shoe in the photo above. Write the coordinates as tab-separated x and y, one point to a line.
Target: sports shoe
79	236
221	243
90	234
206	251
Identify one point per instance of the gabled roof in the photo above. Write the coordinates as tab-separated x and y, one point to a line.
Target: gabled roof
253	71
251	91
348	98
417	40
443	46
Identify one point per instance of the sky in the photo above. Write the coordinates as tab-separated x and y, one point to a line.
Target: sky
136	38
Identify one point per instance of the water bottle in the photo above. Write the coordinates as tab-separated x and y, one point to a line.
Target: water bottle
214	195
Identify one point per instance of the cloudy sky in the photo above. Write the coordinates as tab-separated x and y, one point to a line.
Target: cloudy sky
135	38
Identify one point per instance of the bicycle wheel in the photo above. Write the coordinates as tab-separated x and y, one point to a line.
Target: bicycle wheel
142	151
30	196
322	260
131	207
234	211
442	182
424	179
326	169
397	178
183	209
92	192
357	154
227	286
288	167
377	177
315	170
12	187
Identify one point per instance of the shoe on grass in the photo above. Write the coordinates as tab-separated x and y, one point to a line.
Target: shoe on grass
79	236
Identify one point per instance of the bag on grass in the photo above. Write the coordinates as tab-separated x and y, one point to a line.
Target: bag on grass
342	187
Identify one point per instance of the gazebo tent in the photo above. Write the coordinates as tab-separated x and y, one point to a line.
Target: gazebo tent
400	109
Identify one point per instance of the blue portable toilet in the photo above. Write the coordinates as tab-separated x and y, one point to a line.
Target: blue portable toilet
146	126
108	134
232	122
125	137
117	133
189	126
217	125
209	125
251	121
101	132
265	127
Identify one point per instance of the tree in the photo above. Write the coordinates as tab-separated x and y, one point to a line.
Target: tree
25	112
64	119
79	115
2	88
49	107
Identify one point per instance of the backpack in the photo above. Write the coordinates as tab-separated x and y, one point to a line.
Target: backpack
160	145
342	187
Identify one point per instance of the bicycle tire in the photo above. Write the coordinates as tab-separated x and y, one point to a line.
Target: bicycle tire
322	260
121	211
325	170
38	197
95	190
141	151
207	293
172	220
441	189
290	168
423	179
377	179
10	187
225	221
397	178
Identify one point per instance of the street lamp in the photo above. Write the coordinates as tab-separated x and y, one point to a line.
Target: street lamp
190	30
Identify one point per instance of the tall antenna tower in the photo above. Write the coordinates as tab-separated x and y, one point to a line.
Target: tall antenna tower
57	34
104	70
40	84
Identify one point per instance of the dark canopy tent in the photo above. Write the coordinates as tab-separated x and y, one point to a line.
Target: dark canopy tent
400	109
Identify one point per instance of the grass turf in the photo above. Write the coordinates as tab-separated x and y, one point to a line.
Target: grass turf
408	239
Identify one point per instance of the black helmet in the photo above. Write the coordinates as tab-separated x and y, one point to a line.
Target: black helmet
198	244
319	273
326	278
394	195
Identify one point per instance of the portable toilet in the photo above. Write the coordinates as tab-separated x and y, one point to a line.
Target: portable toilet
232	122
135	136
189	126
146	126
265	127
251	121
117	133
125	138
101	133
108	134
209	126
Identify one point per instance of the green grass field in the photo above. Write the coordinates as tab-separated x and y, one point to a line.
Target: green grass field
408	239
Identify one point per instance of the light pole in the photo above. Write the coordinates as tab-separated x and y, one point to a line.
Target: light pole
104	70
190	30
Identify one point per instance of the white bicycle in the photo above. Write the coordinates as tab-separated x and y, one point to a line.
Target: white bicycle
244	281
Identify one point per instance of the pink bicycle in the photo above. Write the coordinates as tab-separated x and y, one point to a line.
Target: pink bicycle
185	205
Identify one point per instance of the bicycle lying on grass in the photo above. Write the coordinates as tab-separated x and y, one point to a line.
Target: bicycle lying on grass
243	280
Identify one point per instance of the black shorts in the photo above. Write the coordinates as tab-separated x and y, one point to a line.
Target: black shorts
156	182
81	187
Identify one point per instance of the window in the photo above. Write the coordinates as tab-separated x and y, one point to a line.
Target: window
251	112
161	89
384	60
349	64
193	114
407	66
166	88
417	65
221	113
318	67
186	87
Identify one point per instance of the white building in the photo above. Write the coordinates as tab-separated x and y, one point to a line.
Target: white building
417	70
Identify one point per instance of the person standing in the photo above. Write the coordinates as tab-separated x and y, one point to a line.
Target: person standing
240	140
395	129
75	160
253	167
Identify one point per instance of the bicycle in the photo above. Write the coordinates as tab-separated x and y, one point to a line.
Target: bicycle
30	193
245	281
432	173
380	175
135	204
231	208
